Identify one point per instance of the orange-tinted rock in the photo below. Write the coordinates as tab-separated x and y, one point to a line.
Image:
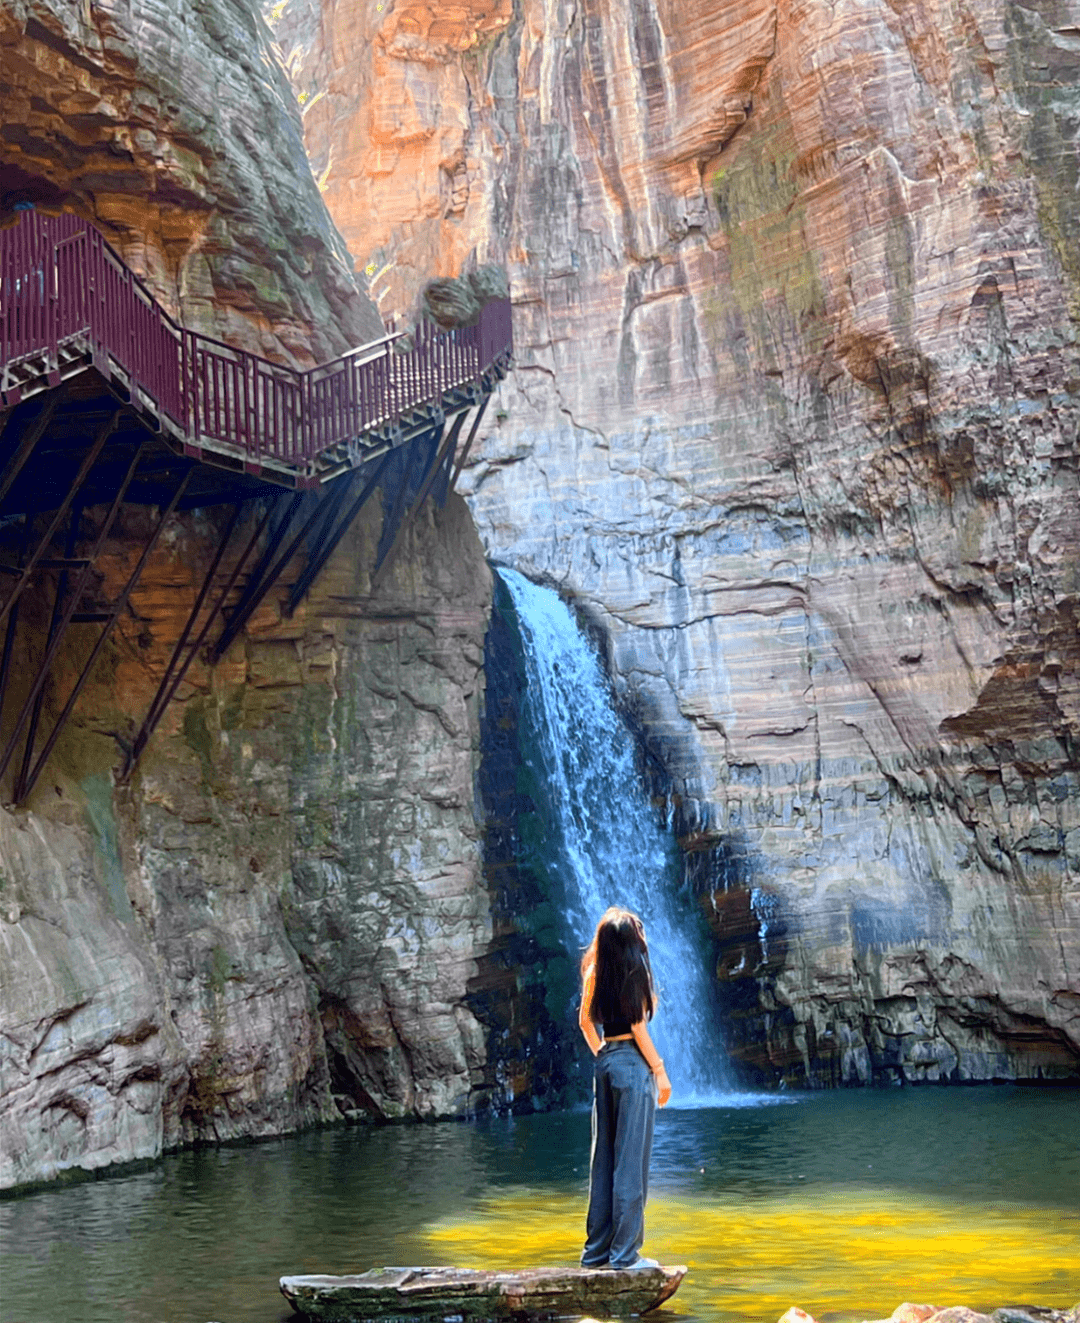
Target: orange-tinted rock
177	133
909	1313
960	1314
795	1315
795	419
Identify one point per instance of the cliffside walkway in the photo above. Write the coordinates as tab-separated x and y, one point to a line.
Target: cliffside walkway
105	400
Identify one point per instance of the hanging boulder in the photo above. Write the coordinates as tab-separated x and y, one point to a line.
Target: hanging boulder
488	283
457	301
452	302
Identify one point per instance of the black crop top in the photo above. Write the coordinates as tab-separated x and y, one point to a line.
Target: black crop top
616	1028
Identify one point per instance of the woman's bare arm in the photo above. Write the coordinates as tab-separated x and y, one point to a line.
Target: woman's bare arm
584	1018
655	1060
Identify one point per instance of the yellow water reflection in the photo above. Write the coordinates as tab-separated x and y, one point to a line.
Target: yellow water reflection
840	1255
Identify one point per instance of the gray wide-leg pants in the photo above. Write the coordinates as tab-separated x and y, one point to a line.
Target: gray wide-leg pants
624	1109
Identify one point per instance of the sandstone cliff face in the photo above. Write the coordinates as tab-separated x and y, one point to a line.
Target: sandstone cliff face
277	921
175	130
795	419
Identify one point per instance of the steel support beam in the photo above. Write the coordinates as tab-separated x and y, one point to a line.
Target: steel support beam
69	611
255	592
260	579
164	697
13	619
29	441
117	610
449	441
331	505
468	444
35	716
392	521
273	541
166	689
328	543
43	542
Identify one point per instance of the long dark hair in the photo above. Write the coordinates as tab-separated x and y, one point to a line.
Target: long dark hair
623	988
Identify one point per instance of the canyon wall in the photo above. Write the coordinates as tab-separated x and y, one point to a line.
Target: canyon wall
277	921
175	130
794	420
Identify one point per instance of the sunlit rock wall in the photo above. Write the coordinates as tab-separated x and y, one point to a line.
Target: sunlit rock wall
174	128
277	921
795	418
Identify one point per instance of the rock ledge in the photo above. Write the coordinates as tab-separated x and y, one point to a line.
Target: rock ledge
468	1293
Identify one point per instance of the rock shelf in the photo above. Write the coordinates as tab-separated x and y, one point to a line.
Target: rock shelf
462	1294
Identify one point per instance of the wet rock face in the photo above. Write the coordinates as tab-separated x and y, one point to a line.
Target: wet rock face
524	991
279	920
795	418
176	131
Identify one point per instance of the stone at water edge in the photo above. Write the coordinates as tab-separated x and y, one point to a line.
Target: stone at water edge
959	1314
472	1294
1035	1314
909	1313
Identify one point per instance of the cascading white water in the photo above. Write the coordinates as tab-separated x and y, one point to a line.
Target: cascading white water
601	844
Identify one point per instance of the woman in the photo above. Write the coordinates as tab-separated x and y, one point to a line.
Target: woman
617	993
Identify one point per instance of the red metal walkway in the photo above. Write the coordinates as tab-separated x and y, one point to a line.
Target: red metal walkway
105	401
67	302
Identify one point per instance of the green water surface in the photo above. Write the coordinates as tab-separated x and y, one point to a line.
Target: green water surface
843	1203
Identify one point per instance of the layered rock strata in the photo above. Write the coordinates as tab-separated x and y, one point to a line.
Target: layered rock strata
794	419
175	130
278	919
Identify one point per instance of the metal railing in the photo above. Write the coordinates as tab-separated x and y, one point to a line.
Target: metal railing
62	286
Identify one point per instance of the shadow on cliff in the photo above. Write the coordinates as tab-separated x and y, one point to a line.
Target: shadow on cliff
524	990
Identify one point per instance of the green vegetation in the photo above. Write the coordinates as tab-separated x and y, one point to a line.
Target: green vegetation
102	820
772	265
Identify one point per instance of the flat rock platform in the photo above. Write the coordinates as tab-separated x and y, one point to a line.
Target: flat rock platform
464	1295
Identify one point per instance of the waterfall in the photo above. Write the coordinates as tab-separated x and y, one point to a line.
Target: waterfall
595	836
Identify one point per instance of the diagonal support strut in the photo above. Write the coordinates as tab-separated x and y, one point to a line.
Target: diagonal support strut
30	440
383	567
164	695
328	545
69	611
117	610
468	444
58	605
57	519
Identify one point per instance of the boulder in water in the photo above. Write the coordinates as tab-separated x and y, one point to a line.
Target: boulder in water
796	1315
471	1294
909	1313
959	1314
1035	1314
